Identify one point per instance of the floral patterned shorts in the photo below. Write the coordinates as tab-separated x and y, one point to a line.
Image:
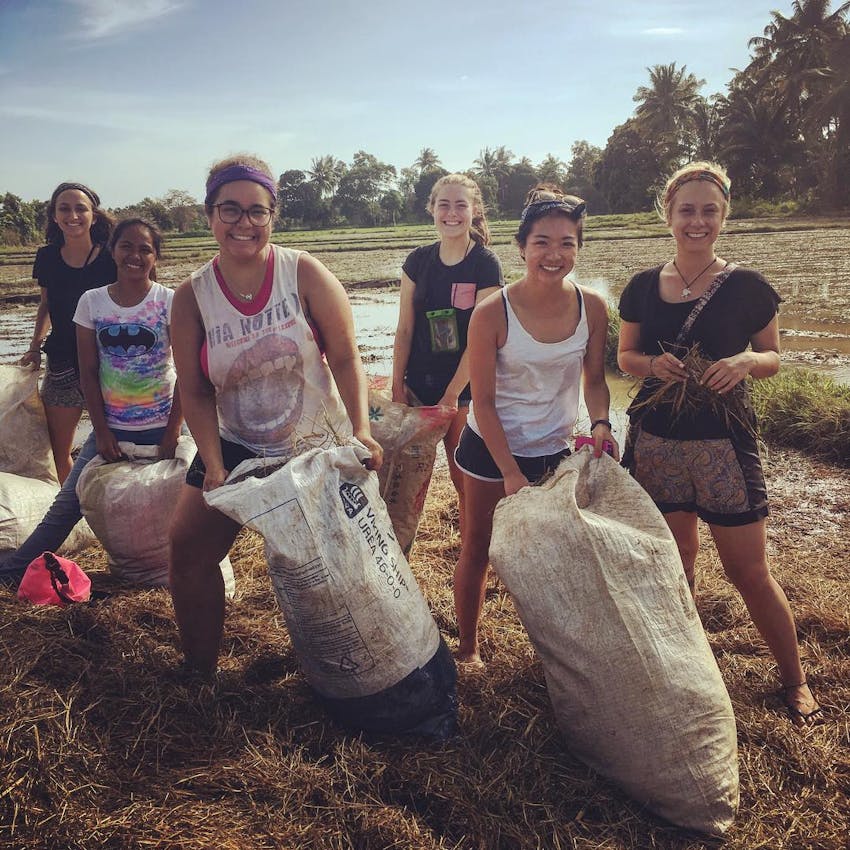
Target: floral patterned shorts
720	481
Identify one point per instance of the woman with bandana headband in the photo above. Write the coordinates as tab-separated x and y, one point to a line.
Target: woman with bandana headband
268	365
693	462
74	260
531	346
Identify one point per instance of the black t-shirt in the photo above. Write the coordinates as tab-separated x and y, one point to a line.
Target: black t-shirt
744	305
65	284
448	294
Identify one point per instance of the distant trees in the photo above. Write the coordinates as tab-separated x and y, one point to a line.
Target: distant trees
782	129
21	222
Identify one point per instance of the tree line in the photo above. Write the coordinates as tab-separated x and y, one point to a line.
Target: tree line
782	130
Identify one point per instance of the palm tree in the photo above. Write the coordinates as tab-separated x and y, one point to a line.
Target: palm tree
325	173
552	170
665	109
427	161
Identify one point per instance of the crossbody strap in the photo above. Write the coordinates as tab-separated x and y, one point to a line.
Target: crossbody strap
718	281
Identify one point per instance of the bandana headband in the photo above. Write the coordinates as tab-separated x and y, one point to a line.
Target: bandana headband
537	208
239	172
709	176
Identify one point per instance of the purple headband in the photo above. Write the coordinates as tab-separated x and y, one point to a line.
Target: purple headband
239	172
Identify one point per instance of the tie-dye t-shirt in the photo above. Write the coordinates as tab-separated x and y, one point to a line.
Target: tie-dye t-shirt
134	348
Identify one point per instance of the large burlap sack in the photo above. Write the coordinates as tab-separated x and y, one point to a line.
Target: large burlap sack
359	624
597	581
24	440
409	438
23	504
129	506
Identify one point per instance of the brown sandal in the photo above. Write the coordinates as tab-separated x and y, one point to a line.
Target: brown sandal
801	718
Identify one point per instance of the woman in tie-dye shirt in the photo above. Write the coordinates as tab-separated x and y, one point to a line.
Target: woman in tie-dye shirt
127	376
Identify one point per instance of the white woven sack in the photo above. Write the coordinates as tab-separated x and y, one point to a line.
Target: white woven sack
129	506
23	504
409	437
597	581
24	440
356	616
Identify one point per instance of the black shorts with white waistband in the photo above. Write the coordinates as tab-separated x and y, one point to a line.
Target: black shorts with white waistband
232	454
473	458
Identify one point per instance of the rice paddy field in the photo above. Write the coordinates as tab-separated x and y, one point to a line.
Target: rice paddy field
104	744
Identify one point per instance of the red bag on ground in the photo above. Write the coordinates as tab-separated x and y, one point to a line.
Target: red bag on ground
53	580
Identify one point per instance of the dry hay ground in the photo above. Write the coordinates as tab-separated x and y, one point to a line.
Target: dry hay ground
105	746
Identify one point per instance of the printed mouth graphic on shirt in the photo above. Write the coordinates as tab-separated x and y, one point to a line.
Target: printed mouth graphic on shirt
263	396
127	339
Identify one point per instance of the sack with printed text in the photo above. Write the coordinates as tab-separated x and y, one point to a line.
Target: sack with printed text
362	631
596	579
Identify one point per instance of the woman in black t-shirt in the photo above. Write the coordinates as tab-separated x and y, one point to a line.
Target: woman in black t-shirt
692	462
74	260
440	285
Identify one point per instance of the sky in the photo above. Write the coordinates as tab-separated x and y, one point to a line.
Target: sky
138	97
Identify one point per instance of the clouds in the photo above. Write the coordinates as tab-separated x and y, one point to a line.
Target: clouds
99	19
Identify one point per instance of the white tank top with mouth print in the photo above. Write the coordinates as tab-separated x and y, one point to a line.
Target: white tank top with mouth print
274	390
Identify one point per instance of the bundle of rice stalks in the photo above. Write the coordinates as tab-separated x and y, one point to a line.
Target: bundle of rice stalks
688	397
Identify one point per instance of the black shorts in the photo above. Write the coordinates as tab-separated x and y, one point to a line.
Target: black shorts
231	453
474	459
429	389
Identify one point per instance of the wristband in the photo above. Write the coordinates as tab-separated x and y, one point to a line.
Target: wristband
604	422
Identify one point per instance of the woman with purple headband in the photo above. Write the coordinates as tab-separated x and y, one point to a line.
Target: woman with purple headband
692	462
531	345
268	365
74	260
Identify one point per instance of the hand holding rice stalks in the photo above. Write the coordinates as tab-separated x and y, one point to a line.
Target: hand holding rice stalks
691	395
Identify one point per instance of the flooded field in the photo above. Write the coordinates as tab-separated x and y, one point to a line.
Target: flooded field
810	269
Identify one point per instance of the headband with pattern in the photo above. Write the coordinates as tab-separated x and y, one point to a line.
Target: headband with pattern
702	174
538	208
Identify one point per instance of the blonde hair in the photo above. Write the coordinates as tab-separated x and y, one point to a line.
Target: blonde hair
710	172
479	230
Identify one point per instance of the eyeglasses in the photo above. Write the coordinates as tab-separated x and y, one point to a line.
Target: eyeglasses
231	213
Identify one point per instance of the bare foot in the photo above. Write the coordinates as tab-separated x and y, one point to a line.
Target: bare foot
802	706
469	660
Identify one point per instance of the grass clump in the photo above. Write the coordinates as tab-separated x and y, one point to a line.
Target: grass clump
802	409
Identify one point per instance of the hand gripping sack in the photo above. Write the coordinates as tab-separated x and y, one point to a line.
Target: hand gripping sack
23	504
409	438
597	581
24	441
53	580
361	628
129	506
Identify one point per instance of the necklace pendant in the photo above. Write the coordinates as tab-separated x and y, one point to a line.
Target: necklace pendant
246	296
686	292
